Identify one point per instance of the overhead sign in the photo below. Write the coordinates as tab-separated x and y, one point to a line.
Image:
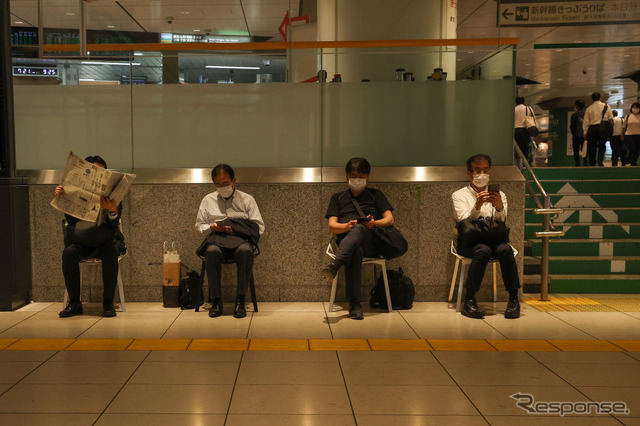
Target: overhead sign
202	38
517	13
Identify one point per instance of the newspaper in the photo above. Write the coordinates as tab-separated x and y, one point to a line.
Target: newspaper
84	183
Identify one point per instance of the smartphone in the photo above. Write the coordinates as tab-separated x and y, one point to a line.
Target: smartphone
221	222
494	187
363	219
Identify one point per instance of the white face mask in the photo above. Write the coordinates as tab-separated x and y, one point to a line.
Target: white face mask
357	184
225	191
480	181
635	110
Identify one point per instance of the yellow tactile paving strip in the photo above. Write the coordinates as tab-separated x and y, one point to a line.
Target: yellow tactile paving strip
100	345
584	304
339	345
522	345
501	345
585	346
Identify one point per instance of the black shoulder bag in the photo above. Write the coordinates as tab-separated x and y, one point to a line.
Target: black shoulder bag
388	241
606	126
472	232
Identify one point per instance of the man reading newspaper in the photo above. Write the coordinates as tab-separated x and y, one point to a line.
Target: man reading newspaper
91	198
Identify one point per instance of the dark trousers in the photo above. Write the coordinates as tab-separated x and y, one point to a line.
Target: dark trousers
480	255
617	151
577	142
215	256
523	139
71	258
355	246
633	145
595	143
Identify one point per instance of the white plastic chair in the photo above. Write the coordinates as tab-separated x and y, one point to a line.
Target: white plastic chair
462	262
94	261
332	248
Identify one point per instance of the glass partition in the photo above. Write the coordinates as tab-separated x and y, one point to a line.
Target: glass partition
177	109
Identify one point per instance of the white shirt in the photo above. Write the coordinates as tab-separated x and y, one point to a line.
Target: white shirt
240	206
464	206
617	126
632	124
518	118
593	115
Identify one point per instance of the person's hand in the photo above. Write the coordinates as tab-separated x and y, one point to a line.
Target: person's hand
481	198
227	230
496	200
351	224
217	227
59	190
108	204
371	222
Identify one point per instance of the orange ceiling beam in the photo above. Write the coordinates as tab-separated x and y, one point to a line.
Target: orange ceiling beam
282	45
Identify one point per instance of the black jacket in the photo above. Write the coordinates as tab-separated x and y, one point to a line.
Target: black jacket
245	230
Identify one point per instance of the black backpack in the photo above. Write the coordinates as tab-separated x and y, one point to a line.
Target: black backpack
191	294
401	289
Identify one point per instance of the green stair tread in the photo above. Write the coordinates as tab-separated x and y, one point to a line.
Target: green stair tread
595	277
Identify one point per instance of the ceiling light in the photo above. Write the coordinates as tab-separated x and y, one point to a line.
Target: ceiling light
232	67
108	63
18	22
185	12
561	79
195	31
558	50
137	53
111	26
87	79
69	13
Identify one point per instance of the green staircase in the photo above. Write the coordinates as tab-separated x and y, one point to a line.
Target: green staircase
600	252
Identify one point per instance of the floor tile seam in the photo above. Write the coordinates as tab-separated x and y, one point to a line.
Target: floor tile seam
26	375
407	322
346	387
461	390
498	331
123	386
574	326
561	378
233	389
326	316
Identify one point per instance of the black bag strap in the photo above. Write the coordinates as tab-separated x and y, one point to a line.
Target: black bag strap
357	205
604	110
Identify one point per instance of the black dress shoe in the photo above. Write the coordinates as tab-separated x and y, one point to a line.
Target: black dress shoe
216	309
73	308
330	272
470	309
355	311
239	311
108	310
513	309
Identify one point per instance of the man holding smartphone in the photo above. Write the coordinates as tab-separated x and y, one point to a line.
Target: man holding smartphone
352	215
480	201
233	221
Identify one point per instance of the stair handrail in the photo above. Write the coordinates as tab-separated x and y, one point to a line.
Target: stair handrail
548	230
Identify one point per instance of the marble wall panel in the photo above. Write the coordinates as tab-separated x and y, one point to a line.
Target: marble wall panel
292	248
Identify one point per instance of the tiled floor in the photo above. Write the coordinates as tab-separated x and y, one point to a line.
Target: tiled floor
426	382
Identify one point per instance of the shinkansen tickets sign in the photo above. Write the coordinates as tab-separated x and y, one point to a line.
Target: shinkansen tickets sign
514	13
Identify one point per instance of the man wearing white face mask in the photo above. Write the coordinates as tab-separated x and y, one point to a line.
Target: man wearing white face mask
233	219
355	240
475	202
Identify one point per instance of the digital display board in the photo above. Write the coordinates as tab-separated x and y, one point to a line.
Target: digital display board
36	71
